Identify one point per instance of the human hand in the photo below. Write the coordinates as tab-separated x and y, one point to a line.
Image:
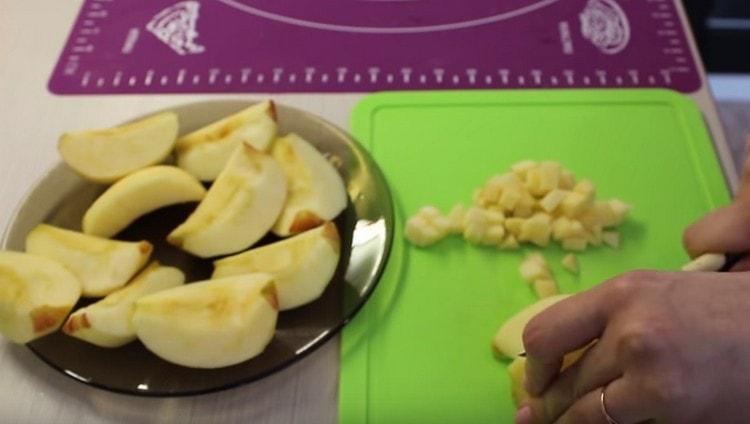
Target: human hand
727	229
672	347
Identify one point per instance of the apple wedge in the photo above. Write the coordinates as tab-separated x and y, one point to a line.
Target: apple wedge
209	324
137	194
509	338
105	156
517	371
316	190
107	323
302	265
204	152
36	295
239	208
101	265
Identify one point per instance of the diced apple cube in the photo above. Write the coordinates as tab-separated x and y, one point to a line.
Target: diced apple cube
429	212
570	262
435	218
475	196
598	213
620	210
491	193
513	225
593	238
482	200
494	235
443	224
538	258
564	227
474	233
536	229
585	187
494	217
574	244
533	269
575	204
456	217
560	228
611	238
550	202
509	243
506	181
510	198
533	182
522	168
420	233
476	225
549	174
525	206
567	180
545	287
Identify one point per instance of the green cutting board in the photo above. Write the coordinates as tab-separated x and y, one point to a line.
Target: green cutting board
419	352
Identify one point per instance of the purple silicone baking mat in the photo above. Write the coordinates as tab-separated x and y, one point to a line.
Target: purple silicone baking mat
231	46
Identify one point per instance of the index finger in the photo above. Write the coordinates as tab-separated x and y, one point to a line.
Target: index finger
724	230
562	328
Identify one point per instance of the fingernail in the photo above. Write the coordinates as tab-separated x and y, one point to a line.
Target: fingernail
523	416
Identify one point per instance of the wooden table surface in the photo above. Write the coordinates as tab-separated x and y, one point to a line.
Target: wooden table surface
32	33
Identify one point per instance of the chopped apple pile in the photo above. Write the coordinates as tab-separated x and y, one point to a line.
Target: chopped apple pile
533	203
259	184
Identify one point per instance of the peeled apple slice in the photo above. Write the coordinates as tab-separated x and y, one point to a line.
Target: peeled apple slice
205	152
302	265
209	324
709	262
101	265
36	295
509	338
107	323
137	194
316	190
104	156
239	209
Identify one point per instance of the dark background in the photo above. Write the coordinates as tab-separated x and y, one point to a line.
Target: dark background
722	29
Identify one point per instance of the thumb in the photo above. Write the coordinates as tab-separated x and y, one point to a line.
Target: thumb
725	230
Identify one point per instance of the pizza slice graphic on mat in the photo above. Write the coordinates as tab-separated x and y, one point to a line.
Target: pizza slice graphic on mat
175	26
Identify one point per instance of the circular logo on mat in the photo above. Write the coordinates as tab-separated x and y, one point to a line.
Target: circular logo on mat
605	24
388	16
